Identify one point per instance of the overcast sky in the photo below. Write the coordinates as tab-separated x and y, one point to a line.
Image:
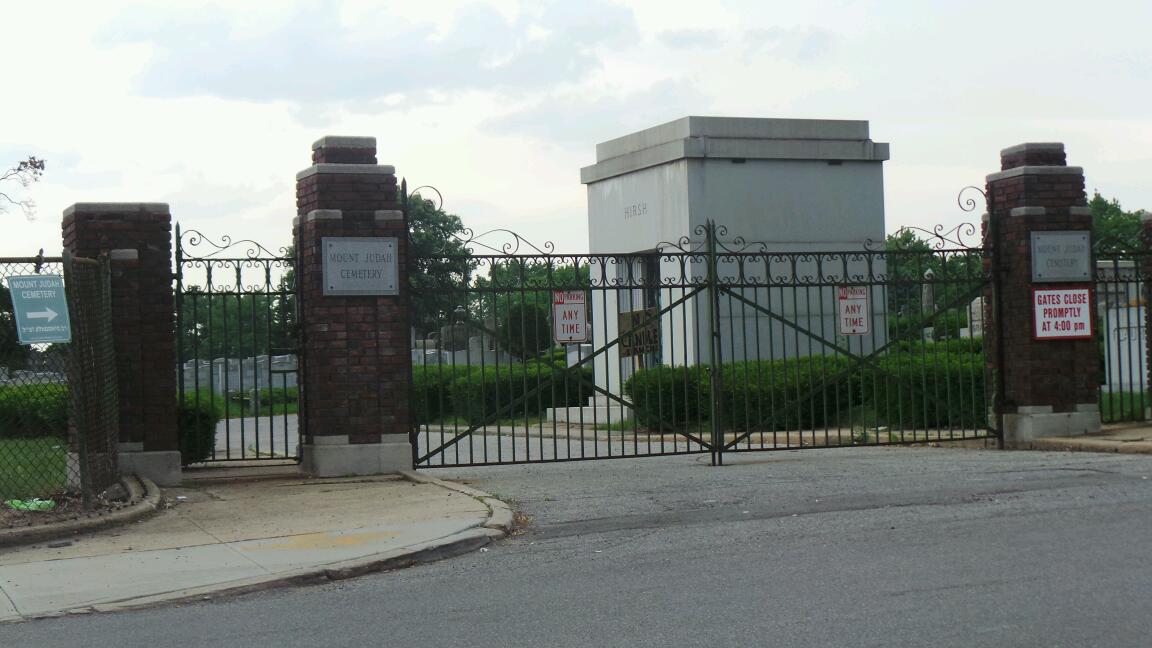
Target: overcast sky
213	107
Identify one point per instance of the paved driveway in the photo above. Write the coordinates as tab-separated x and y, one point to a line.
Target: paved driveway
852	547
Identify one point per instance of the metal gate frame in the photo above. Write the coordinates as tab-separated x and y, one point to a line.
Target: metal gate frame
717	272
248	278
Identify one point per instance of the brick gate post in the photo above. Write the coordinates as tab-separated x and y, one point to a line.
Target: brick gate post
354	322
1050	371
138	237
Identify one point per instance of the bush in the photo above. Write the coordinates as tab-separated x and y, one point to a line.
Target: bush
934	389
945	326
497	393
790	394
197	420
958	345
666	398
28	411
768	395
525	330
432	391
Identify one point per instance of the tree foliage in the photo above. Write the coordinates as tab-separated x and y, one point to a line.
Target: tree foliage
1114	231
13	355
24	173
441	264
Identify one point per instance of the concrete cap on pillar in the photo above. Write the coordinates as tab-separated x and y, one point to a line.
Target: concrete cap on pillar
1033	154
342	149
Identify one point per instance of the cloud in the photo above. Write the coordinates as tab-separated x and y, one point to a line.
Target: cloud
574	119
690	38
315	57
798	43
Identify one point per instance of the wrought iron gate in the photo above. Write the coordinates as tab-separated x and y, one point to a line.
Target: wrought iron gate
236	346
708	345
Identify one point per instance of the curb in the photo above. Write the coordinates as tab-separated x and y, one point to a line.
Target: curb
1085	445
436	550
500	517
140	488
500	522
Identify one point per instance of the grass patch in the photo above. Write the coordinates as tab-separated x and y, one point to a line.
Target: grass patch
1121	406
35	467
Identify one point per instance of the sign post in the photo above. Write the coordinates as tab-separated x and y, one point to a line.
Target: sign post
569	316
40	308
852	308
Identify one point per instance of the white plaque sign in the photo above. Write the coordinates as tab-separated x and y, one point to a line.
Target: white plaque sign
360	265
1062	314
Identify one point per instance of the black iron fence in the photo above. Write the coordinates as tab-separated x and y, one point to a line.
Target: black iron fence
1122	337
709	345
235	324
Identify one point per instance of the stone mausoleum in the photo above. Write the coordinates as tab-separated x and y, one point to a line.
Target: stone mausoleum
797	185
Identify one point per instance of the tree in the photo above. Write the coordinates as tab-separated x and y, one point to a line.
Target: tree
1114	231
24	173
441	267
13	355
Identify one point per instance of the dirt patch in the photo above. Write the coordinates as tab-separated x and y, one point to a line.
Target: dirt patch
67	506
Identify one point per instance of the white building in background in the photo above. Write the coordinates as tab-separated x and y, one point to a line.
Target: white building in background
798	185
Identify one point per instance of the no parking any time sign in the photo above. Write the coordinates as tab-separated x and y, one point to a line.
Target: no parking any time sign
852	310
569	316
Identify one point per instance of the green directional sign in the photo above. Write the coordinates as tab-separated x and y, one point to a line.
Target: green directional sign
40	308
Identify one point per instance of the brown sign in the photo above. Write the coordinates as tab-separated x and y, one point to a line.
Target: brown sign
645	339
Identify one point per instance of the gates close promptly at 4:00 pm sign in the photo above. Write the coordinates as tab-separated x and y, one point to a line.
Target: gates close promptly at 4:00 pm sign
1064	314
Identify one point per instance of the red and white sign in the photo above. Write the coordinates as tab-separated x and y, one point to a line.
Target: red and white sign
853	310
1061	314
569	316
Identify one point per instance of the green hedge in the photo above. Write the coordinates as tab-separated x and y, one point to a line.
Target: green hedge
498	392
927	390
432	391
931	386
28	411
476	394
770	395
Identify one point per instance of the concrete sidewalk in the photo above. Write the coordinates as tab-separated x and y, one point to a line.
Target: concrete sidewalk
228	535
1125	438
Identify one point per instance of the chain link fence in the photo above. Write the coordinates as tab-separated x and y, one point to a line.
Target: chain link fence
48	464
92	373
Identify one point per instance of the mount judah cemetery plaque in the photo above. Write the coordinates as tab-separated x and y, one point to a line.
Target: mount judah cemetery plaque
360	266
1061	256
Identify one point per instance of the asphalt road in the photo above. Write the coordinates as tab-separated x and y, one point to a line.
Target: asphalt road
853	547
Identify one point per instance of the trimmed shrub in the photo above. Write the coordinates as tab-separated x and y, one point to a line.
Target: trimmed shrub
28	411
958	345
934	389
666	398
499	392
790	394
795	393
197	424
432	391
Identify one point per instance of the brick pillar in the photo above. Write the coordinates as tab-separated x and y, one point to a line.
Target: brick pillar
1050	385
356	363
138	237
